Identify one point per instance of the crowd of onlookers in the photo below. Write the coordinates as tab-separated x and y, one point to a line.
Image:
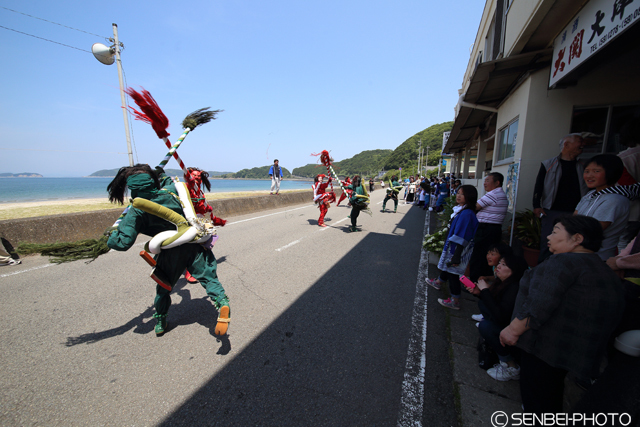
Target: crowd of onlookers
563	315
429	192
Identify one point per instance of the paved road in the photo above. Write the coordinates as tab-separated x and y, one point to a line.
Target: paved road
321	324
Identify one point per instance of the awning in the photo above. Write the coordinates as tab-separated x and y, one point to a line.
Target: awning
490	84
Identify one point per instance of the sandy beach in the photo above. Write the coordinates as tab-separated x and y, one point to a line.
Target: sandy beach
54	207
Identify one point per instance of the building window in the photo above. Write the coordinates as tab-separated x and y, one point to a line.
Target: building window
610	127
507	141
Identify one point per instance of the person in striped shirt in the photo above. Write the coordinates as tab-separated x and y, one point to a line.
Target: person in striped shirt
492	209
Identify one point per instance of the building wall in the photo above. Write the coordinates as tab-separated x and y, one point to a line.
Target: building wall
478	44
512	107
545	115
522	19
472	168
549	119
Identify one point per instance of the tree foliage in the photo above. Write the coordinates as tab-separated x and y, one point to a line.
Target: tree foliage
406	155
261	172
366	164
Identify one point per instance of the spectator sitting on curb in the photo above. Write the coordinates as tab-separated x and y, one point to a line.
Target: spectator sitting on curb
496	305
5	256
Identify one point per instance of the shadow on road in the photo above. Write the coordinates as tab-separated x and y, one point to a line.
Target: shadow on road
335	357
185	312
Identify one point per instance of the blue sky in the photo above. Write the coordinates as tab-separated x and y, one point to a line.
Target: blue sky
293	78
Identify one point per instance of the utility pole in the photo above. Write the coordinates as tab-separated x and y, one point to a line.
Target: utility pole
122	98
426	162
419	157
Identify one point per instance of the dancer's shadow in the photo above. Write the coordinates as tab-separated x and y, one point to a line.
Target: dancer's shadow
315	221
200	311
186	312
139	324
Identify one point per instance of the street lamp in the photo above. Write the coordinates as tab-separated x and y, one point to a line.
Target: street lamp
105	55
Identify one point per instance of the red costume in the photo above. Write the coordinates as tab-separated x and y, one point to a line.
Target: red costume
345	193
322	198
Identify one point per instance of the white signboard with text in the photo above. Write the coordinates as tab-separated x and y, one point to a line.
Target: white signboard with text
445	138
596	25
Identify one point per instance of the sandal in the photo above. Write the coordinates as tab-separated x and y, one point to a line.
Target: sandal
223	320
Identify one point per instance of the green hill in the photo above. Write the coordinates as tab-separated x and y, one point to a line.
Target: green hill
406	155
261	172
367	164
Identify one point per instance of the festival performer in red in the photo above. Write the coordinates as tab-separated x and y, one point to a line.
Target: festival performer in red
196	179
321	197
346	193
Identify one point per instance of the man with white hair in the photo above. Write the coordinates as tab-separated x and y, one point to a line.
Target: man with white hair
559	186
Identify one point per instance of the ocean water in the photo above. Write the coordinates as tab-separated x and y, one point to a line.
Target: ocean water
14	190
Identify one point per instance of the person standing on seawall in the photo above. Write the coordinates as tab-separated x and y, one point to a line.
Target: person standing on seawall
275	173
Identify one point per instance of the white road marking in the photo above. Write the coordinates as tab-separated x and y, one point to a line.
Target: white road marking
229	223
412	401
288	245
28	269
264	216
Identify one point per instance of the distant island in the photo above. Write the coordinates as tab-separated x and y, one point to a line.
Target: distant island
21	175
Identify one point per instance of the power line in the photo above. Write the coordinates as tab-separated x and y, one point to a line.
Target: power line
41	38
51	22
62	151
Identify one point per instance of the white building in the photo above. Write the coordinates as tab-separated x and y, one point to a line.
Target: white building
540	69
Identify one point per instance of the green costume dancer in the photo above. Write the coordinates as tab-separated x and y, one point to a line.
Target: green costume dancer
358	199
143	182
392	193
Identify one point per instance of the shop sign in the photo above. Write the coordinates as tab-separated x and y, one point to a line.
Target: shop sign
596	25
445	138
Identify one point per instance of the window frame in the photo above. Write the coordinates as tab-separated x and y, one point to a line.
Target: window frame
498	147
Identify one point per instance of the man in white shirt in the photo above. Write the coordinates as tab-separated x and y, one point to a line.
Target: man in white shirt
491	210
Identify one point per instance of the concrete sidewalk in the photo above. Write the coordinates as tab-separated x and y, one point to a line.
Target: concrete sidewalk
477	395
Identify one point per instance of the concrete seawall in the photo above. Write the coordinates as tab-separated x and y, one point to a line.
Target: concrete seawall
91	225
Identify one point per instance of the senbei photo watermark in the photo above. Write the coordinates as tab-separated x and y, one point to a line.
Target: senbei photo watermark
501	419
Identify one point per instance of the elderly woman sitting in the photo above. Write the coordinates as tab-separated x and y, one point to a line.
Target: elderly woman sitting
565	312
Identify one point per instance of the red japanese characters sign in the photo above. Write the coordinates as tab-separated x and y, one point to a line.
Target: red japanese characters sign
597	23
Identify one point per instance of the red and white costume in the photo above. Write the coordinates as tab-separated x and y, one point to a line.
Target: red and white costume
345	193
322	198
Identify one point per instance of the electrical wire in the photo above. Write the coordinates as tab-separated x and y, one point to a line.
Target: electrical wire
51	22
42	38
62	151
